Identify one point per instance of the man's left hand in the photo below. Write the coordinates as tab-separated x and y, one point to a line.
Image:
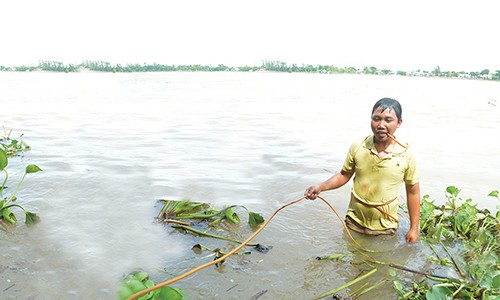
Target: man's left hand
412	236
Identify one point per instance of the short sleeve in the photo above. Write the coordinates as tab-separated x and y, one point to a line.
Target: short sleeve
349	163
411	174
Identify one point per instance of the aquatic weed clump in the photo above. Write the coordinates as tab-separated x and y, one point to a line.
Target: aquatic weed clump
463	238
12	146
466	248
138	281
7	202
475	234
8	148
197	218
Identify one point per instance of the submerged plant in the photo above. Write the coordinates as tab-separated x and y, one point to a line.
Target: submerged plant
357	279
6	203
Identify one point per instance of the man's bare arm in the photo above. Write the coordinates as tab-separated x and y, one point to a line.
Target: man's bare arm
413	203
332	183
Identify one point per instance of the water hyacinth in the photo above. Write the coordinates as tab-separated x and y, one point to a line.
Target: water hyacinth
458	224
6	203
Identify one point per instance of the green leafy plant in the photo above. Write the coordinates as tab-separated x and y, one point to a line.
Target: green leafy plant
205	218
12	146
469	238
139	281
186	209
494	194
476	233
6	203
451	194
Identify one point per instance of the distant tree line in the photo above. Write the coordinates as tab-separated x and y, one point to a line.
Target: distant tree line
274	66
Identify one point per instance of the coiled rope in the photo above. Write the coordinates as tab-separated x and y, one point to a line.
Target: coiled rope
220	259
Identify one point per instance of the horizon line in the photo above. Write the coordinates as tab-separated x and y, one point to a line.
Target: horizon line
286	64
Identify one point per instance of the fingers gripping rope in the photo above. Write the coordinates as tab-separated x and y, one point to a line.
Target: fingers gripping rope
175	279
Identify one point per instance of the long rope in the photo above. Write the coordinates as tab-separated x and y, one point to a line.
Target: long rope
343	223
220	259
377	206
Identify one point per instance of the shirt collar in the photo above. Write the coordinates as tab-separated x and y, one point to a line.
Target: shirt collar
370	145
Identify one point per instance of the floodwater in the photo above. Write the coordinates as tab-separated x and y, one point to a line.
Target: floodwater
111	145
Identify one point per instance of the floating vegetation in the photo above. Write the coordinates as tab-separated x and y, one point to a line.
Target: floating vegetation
184	214
473	234
460	224
186	209
7	203
463	238
204	217
139	281
12	146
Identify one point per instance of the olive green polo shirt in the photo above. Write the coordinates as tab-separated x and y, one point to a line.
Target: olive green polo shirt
378	180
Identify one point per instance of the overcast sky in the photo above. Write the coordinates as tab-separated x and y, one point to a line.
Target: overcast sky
399	35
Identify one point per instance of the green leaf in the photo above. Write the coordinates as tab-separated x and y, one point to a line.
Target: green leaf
169	293
9	216
134	285
453	191
3	160
496	282
32	169
254	219
493	194
439	293
178	207
232	216
124	292
398	286
31	218
139	281
141	276
149	283
186	206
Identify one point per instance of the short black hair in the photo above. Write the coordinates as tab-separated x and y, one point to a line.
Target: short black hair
389	103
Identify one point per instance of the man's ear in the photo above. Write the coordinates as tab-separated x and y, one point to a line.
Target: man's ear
400	121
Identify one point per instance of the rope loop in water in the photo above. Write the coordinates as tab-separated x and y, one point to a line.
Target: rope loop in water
220	259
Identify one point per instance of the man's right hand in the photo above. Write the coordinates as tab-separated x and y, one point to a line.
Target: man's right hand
312	192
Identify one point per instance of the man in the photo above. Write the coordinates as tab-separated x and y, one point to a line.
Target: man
380	165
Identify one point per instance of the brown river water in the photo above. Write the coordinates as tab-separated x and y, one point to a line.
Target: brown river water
110	145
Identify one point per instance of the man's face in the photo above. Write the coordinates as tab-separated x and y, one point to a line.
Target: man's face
384	122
